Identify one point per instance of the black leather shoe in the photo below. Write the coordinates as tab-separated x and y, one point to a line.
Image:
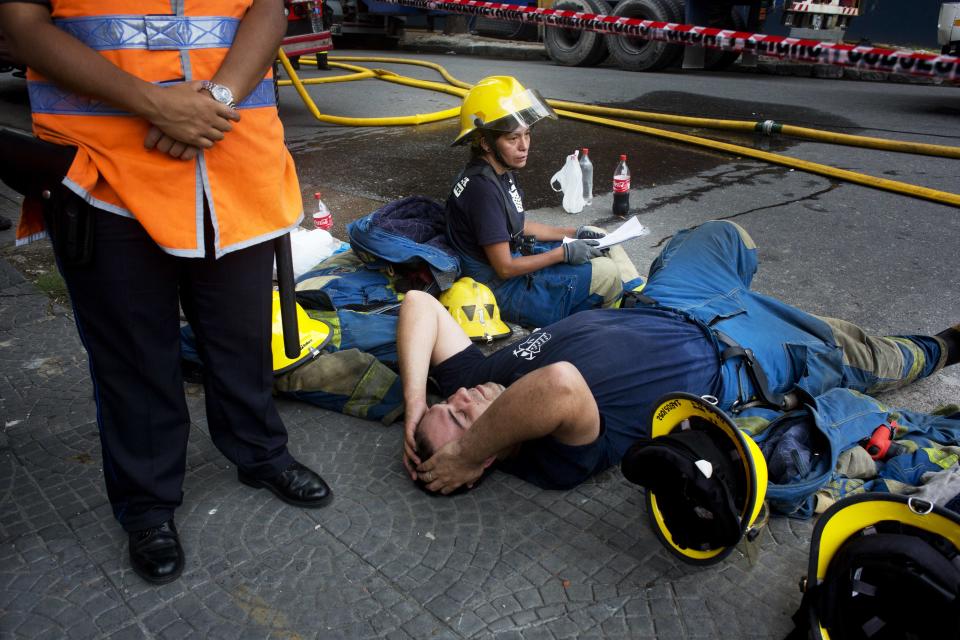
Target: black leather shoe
156	554
296	485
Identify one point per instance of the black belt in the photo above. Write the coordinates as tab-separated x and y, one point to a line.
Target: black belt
765	397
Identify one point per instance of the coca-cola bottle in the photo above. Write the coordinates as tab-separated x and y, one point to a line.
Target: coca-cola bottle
321	217
621	188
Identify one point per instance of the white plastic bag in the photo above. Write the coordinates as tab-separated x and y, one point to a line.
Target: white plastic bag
309	247
570	181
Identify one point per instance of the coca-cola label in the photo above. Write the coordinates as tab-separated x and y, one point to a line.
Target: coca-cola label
322	220
621	185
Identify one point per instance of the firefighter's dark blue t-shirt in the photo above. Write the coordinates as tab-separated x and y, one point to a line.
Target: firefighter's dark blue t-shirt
475	213
628	357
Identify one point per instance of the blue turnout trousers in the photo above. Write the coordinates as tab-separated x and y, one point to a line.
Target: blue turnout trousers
706	273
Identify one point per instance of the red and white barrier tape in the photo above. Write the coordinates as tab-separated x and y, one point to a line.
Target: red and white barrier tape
307	43
900	61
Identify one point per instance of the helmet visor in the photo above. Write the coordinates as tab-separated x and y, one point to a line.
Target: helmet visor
523	110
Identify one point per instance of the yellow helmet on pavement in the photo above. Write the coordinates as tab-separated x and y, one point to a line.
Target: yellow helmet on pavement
500	103
475	309
314	336
882	566
705	479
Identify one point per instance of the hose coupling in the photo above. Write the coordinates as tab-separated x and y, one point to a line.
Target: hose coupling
768	127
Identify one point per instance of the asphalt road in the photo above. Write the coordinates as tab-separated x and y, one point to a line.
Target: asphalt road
886	261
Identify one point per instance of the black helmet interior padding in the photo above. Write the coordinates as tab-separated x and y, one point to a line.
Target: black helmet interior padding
897	581
700	513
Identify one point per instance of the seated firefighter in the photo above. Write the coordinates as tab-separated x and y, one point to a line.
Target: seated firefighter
536	279
569	400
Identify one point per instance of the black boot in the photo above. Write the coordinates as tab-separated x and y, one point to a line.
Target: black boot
296	485
156	554
952	337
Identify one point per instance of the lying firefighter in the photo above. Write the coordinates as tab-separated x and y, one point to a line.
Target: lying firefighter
536	279
567	401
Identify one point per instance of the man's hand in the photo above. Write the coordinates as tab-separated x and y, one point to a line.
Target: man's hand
187	114
163	143
447	470
580	251
413	412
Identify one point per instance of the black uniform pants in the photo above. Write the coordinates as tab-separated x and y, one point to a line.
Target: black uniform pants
126	307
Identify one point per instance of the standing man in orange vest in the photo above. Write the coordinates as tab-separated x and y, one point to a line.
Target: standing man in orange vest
182	172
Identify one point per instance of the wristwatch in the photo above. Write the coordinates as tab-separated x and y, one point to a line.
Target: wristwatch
220	93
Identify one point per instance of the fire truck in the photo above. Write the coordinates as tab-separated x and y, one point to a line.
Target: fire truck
820	14
820	19
948	28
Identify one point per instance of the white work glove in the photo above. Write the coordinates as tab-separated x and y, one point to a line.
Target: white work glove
586	232
580	251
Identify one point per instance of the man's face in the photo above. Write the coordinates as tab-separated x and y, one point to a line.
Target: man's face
514	147
448	421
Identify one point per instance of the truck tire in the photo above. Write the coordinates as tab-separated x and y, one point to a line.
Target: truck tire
575	47
718	59
636	54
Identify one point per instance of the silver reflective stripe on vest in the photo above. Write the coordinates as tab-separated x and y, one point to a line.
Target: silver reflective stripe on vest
49	98
155	33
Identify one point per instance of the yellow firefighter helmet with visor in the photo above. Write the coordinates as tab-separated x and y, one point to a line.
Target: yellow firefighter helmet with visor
500	103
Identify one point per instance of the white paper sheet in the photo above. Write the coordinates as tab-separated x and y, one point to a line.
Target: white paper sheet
627	231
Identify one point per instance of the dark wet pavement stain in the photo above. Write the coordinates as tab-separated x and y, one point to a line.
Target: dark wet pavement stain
386	163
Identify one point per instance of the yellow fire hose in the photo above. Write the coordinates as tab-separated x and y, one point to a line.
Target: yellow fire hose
360	122
765	127
585	113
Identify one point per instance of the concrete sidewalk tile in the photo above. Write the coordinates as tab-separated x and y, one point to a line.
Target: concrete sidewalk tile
10	277
21	304
51	588
27	511
46	373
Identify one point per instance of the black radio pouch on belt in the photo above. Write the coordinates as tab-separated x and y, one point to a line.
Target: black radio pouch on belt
36	169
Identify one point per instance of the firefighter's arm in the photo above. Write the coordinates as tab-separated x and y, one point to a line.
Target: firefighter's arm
553	401
179	110
426	335
547	232
509	266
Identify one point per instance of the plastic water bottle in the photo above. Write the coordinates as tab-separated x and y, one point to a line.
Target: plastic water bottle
321	217
316	17
586	169
621	188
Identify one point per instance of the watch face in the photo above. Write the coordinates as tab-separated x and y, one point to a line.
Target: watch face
221	94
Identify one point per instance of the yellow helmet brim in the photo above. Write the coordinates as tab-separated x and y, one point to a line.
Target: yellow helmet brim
670	413
314	336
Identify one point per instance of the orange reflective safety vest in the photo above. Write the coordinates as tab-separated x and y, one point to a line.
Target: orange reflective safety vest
247	179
